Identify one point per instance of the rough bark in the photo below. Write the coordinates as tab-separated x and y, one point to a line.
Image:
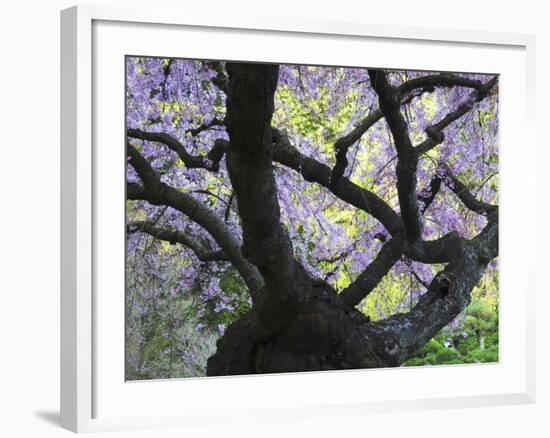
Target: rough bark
326	333
398	336
249	158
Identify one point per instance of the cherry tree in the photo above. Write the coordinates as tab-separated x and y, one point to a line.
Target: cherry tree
313	188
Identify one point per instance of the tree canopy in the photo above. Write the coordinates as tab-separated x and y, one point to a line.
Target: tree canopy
308	217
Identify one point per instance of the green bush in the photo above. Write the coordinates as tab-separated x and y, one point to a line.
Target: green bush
475	340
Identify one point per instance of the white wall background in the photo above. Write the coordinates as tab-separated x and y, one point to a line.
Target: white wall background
29	217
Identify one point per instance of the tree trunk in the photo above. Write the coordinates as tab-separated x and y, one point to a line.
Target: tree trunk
324	334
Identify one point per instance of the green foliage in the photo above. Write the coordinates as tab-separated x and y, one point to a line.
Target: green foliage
474	341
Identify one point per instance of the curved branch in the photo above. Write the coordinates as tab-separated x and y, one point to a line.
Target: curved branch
250	104
435	131
342	145
448	294
210	162
157	193
424	83
150	179
467	198
313	171
204	127
439	80
435	251
427	196
389	254
173	236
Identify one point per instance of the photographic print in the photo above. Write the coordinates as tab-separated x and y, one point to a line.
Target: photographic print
292	218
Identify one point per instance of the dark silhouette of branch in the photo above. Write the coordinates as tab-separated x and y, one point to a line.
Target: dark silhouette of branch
467	198
173	236
204	127
150	179
313	171
389	254
209	193
435	131
439	80
135	191
228	208
342	145
427	196
434	251
404	95
210	162
288	155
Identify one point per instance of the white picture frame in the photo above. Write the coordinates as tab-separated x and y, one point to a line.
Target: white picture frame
81	340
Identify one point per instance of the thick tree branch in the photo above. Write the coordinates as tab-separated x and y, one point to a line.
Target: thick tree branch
173	236
463	193
439	80
204	127
150	179
157	193
389	254
447	296
249	160
402	95
343	144
407	159
486	242
427	196
220	80
135	191
313	171
210	162
434	251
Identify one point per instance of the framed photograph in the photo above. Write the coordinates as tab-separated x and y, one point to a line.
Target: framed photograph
266	218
